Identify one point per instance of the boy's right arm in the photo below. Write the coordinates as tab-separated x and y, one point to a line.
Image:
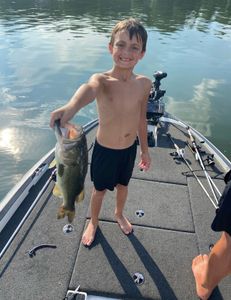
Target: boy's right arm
86	93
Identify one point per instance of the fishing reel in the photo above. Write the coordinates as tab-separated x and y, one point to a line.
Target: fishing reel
209	159
178	154
155	107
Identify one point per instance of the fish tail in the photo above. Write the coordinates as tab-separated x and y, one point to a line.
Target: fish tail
56	191
62	212
80	197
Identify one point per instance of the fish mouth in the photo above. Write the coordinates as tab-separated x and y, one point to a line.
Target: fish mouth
58	131
62	135
57	127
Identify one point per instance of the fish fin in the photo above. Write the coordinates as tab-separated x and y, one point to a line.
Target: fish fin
52	164
62	212
60	169
70	215
56	191
80	197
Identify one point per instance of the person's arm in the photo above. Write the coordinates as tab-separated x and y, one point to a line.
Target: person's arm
145	160
86	93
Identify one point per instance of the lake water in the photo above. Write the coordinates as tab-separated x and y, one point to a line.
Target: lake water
48	48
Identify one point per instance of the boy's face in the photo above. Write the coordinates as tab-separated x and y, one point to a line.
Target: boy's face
126	52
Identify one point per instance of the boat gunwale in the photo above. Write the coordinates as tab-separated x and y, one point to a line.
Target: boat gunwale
20	191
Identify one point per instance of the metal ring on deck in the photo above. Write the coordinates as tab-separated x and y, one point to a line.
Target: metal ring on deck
68	228
139	213
138	278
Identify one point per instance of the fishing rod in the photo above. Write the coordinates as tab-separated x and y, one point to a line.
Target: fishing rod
208	177
180	152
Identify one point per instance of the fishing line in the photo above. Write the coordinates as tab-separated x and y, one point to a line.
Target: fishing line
181	153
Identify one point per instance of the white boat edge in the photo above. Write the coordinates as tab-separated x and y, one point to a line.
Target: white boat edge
18	193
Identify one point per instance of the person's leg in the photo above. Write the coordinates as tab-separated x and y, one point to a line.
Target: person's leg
121	197
96	203
210	269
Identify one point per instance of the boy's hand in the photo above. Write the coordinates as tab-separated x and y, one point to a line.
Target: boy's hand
145	161
59	114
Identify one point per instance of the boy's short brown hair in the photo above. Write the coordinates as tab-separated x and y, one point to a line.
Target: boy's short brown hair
133	26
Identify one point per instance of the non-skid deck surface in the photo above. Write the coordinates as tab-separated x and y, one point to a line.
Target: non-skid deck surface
110	263
173	228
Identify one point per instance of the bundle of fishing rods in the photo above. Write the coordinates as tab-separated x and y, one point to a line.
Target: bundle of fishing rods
195	148
155	110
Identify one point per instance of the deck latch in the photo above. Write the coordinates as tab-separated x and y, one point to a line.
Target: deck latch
71	294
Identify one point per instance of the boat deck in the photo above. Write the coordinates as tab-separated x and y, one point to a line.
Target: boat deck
173	227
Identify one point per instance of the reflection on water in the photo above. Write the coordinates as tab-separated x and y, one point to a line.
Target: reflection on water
8	140
197	111
48	48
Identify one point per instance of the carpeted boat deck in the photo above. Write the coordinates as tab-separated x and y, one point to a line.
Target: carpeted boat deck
171	217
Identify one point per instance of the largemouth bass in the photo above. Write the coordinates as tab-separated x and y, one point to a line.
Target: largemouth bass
71	156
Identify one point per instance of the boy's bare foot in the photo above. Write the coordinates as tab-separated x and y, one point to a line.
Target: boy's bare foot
89	234
124	224
199	268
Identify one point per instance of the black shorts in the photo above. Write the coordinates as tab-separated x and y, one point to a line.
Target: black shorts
110	167
222	220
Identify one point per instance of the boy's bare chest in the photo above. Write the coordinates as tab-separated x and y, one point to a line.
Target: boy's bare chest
122	92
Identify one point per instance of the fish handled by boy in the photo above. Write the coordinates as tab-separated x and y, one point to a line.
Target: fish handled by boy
71	156
121	98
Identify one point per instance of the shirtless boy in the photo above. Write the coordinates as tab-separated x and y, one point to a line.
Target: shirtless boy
121	97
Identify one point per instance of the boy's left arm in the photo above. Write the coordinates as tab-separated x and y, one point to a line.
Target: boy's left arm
145	159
